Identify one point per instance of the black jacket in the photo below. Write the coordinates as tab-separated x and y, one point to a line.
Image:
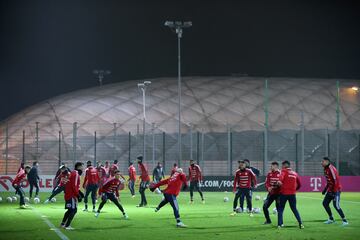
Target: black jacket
33	175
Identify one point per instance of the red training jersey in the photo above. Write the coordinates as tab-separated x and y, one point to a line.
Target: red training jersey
195	173
174	183
289	181
63	178
244	178
73	186
132	173
271	181
144	173
91	176
20	176
102	174
111	185
332	178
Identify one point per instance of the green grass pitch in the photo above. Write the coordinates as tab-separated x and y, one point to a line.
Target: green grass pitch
205	221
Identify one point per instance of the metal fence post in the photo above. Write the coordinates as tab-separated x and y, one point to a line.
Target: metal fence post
6	148
95	140
297	152
23	147
153	142
191	142
229	149
302	143
163	148
202	149
37	140
115	142
74	141
59	160
338	126
266	125
197	146
129	141
327	142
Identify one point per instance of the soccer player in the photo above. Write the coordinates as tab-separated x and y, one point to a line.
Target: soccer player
243	182
174	184
20	176
107	168
132	179
145	180
289	183
61	181
332	191
195	178
173	170
113	168
72	196
255	170
108	191
91	182
158	173
273	189
33	178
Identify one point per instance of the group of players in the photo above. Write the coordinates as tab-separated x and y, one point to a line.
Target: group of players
106	181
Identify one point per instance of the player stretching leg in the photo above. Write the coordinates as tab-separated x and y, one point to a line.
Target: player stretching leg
72	196
195	178
145	180
289	183
20	176
132	179
273	190
174	184
91	181
332	191
61	181
108	191
244	179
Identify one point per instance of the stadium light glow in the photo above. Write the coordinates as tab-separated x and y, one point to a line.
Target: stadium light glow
355	88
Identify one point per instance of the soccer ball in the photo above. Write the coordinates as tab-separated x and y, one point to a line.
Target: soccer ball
256	210
26	199
53	200
238	210
226	199
257	197
0	199
36	200
9	199
264	199
14	199
275	211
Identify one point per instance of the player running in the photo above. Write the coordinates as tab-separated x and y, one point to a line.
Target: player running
20	176
145	180
132	179
243	182
273	189
195	178
91	182
289	183
61	181
174	184
332	191
108	191
72	196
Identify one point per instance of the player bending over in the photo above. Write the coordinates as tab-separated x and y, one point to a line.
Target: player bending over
72	196
20	176
108	191
332	191
273	189
243	182
195	178
174	184
91	182
61	181
289	183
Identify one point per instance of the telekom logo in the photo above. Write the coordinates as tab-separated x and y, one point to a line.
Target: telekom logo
315	183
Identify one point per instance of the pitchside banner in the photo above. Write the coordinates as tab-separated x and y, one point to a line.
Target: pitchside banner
210	183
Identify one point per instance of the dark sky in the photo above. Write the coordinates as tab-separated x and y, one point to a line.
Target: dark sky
50	47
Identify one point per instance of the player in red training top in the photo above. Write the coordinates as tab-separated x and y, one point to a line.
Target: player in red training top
332	191
195	178
20	176
132	179
173	170
72	196
244	180
107	168
109	190
174	184
60	181
145	180
289	183
273	189
91	184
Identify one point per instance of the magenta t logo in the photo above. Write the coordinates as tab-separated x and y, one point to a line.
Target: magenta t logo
315	183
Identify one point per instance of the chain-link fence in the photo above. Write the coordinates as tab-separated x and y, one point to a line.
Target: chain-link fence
216	152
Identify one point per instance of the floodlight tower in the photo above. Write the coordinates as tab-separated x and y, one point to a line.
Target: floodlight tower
101	74
142	87
177	27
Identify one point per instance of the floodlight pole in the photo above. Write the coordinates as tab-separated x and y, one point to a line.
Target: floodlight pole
101	74
142	87
178	26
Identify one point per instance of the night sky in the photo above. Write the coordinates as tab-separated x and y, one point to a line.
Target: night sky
50	47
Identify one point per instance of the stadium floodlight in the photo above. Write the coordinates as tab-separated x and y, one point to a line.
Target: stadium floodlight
142	87
355	88
101	74
177	27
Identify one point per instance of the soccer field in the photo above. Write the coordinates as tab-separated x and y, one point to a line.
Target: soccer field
205	221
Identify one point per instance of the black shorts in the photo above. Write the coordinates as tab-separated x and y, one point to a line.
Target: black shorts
111	196
71	203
